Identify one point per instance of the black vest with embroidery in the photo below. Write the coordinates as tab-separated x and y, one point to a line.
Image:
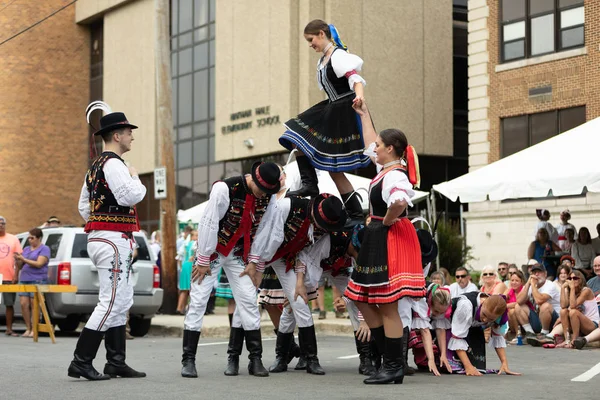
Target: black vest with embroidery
378	205
338	259
105	213
295	229
242	218
471	296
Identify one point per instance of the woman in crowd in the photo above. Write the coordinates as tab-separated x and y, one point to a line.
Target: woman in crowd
389	264
579	311
33	263
328	134
517	281
512	268
490	282
542	247
438	278
185	276
447	276
567	244
583	252
562	276
471	314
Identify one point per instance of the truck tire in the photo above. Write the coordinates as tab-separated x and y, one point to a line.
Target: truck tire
69	324
139	326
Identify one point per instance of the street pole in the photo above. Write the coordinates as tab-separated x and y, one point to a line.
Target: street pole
164	124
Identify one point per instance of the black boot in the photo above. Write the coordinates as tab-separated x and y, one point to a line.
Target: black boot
294	351
188	359
407	370
254	346
353	208
282	352
85	352
377	346
210	306
366	364
114	341
308	175
308	345
236	342
392	369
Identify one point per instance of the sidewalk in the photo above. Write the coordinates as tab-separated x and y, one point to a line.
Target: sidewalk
217	325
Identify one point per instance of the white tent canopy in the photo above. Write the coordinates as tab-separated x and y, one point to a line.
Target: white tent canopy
563	165
326	185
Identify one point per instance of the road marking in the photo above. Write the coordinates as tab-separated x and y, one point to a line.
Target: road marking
219	343
589	374
348	357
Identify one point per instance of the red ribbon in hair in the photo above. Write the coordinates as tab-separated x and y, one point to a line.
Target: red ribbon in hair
412	163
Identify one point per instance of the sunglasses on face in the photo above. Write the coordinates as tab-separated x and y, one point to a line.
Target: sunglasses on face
501	269
488	274
573	278
460	276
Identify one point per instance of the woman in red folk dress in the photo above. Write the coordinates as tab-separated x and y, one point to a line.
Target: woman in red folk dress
389	263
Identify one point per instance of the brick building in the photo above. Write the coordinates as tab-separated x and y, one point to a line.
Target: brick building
533	74
44	82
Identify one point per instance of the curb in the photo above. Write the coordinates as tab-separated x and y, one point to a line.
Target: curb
333	329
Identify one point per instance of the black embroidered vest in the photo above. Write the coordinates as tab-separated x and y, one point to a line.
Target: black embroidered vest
295	230
378	205
338	259
472	297
242	218
105	213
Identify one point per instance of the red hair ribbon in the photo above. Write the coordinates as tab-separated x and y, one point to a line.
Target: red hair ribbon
412	161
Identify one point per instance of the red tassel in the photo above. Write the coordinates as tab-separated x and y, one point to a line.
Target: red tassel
412	161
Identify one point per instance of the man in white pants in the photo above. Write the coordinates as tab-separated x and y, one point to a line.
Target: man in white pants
107	204
225	233
294	240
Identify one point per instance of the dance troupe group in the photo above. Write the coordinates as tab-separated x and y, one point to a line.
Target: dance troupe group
265	237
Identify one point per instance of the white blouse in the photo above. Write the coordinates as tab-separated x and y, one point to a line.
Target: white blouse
343	62
309	259
270	233
208	227
463	320
396	187
128	190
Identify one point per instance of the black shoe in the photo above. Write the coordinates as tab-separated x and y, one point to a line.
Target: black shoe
308	346
579	343
236	342
254	346
114	341
188	359
392	369
407	370
308	175
85	352
301	365
282	352
377	346
353	208
366	364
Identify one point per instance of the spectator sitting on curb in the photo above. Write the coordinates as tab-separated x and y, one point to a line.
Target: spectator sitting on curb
490	283
512	268
463	283
562	276
583	252
546	298
594	283
517	283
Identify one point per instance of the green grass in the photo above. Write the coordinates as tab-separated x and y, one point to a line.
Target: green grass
328	300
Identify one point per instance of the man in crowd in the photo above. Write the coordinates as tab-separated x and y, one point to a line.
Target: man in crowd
596	241
546	298
594	283
463	283
503	271
9	245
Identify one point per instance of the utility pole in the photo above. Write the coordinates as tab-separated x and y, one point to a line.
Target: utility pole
164	125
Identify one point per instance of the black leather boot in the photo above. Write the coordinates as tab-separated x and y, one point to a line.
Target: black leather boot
392	369
308	345
85	352
309	179
236	342
366	364
407	370
114	341
377	346
294	351
188	359
353	208
282	352
254	346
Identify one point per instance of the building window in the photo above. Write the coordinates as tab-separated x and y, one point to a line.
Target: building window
523	131
531	28
193	76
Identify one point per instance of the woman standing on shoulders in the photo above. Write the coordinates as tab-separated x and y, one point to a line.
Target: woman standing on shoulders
328	135
389	264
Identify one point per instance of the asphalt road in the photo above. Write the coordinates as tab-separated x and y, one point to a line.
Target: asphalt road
38	370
